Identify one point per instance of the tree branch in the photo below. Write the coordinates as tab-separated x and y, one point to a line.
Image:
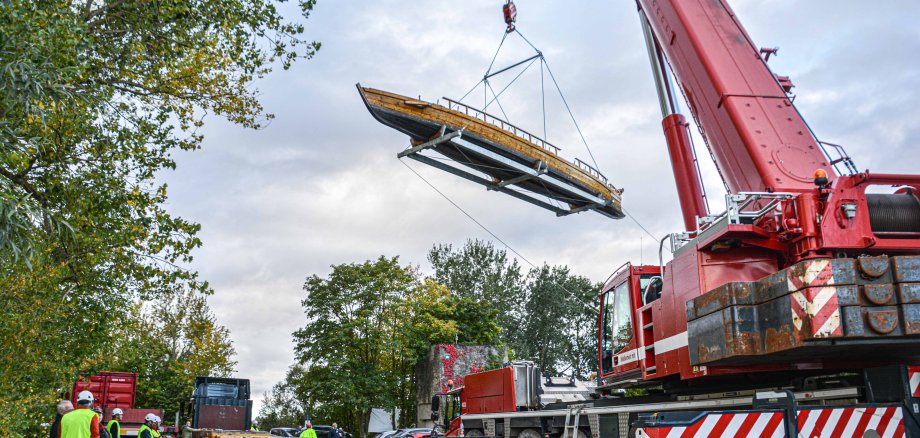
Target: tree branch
23	183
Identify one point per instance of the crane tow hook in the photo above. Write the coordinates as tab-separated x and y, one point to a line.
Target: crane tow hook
510	13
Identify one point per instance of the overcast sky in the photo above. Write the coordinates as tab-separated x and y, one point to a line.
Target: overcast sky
321	185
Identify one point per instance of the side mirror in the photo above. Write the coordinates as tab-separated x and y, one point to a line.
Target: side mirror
435	408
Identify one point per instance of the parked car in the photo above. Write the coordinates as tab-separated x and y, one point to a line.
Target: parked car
322	431
285	431
414	432
386	434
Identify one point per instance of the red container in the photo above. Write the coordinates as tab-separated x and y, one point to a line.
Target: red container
489	391
110	389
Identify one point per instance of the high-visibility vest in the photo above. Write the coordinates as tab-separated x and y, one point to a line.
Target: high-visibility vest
117	432
141	431
76	423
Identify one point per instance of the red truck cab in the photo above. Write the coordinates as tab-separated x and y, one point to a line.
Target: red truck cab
620	327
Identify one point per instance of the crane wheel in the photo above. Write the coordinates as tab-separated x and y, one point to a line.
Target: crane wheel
529	433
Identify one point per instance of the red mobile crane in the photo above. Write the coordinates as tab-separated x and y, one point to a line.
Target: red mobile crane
808	279
795	312
805	273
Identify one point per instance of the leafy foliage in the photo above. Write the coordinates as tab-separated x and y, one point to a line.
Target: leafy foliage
558	329
347	344
548	316
367	326
287	404
168	343
482	273
95	97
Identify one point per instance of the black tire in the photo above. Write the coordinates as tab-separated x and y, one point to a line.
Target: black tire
529	433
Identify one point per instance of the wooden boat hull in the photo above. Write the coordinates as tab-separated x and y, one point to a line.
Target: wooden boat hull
503	157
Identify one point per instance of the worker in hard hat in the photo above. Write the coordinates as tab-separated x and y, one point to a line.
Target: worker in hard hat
156	429
102	432
148	429
81	422
114	425
308	432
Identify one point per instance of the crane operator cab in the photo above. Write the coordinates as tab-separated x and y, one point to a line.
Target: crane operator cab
629	291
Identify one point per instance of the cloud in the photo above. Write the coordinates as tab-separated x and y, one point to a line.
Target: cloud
321	184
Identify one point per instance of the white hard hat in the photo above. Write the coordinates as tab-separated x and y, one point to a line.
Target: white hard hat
84	396
117	411
157	419
150	417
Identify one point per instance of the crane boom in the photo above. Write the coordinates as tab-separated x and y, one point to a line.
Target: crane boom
759	141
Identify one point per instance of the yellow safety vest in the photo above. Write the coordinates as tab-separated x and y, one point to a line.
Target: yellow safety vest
77	423
117	433
141	431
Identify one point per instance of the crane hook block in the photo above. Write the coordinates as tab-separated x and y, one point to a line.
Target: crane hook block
510	13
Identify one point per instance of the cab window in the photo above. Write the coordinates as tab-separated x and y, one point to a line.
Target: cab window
616	324
452	409
622	318
606	332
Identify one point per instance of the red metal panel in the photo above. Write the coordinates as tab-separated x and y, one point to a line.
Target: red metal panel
840	232
489	391
737	264
134	416
758	139
110	389
683	283
222	417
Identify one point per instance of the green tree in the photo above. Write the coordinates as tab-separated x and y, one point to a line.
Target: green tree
549	316
285	405
481	272
347	345
559	323
168	343
367	327
95	98
432	314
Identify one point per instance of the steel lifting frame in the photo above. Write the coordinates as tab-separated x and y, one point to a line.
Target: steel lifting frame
537	171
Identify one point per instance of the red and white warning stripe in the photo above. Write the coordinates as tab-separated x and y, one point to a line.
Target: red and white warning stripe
913	375
814	300
846	422
739	425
